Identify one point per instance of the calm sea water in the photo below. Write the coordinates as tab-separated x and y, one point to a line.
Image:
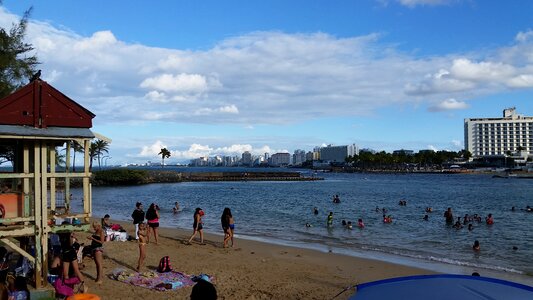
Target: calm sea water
278	211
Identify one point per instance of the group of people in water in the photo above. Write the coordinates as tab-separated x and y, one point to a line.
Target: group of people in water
459	223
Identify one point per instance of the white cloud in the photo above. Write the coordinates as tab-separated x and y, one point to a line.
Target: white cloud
152	150
176	83
197	150
457	144
448	104
413	3
524	36
432	147
265	77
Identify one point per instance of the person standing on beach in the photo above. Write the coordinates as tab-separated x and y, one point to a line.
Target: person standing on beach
138	218
97	246
197	225
225	220
142	246
69	257
152	218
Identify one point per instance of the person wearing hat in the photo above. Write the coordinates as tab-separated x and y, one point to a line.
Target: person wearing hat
197	225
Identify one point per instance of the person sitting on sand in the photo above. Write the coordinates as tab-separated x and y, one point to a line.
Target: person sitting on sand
106	224
476	247
142	246
197	225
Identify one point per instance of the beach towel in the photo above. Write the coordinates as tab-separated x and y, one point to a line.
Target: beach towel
158	281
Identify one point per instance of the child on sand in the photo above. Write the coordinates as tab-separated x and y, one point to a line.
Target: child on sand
142	246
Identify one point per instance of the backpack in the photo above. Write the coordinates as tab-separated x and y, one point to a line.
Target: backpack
164	265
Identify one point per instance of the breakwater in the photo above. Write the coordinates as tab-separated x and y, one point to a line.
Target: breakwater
113	177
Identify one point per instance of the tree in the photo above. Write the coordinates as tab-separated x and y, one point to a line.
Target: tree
76	147
97	148
16	64
164	154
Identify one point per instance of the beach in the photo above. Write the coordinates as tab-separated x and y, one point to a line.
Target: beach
249	270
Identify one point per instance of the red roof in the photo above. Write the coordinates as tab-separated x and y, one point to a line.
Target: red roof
40	105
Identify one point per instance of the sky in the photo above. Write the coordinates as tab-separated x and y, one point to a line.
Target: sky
205	78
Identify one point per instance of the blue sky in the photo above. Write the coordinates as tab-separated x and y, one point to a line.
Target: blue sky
220	77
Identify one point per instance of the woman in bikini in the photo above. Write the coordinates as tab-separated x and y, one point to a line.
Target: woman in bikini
97	245
142	246
197	225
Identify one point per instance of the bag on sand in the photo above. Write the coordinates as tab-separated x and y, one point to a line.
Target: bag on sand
164	265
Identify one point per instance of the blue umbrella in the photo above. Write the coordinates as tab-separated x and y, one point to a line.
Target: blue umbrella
443	286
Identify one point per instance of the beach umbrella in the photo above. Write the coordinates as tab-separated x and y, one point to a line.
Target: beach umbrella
443	286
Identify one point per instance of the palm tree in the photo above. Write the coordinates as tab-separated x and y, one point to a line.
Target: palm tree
76	147
97	148
164	154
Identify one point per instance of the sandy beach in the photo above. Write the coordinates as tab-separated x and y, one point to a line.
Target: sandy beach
250	270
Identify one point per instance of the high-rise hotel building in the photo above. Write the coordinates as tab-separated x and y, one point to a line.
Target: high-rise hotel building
496	136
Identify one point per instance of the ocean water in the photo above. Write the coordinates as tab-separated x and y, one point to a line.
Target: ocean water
278	211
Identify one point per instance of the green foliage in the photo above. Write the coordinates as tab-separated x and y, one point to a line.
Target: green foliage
164	154
16	64
120	177
401	160
96	150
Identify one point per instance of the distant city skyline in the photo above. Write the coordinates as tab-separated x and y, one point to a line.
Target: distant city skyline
215	77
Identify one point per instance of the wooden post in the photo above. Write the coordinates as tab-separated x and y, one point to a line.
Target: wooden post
52	179
38	167
86	192
25	180
67	179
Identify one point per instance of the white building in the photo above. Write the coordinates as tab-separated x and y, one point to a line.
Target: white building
497	136
298	158
338	153
280	159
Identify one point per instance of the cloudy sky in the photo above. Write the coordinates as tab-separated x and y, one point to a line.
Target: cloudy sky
221	77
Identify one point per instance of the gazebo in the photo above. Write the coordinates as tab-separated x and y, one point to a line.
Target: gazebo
35	193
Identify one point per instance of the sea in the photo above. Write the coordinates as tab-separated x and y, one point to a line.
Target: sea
278	211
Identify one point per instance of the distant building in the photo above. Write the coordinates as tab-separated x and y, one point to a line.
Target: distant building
280	159
403	151
246	158
310	156
498	136
338	153
199	162
298	158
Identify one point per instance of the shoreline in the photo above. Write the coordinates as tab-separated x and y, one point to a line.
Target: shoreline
250	270
259	269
